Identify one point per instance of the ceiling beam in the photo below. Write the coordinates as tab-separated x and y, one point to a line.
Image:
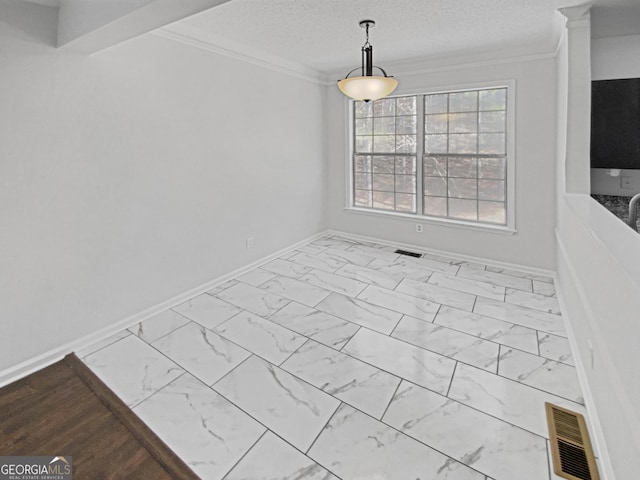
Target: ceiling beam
88	27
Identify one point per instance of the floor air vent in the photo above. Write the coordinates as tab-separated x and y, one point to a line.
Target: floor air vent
571	450
408	253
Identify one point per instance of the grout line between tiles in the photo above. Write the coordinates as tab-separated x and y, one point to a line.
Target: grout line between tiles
184	372
453	375
245	454
340	403
172	331
392	398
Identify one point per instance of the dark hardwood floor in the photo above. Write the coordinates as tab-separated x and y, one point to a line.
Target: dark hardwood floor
66	410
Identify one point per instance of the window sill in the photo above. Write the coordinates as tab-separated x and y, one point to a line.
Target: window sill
441	222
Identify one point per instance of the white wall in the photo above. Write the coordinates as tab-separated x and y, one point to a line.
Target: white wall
535	114
135	174
615	57
599	282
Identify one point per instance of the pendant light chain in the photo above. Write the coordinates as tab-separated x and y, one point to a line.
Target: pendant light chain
367	44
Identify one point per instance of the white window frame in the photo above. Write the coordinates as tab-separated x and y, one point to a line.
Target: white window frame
510	204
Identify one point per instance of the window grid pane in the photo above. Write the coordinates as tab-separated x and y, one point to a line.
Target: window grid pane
464	161
455	188
384	160
463	158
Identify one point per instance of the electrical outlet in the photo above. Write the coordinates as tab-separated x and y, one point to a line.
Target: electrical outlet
250	242
626	182
418	228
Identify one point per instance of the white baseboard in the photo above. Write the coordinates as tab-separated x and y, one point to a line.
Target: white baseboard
27	367
444	253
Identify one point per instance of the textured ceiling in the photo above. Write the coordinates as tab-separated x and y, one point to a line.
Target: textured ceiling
610	18
324	34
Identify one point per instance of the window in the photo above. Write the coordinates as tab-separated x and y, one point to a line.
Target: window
384	159
462	150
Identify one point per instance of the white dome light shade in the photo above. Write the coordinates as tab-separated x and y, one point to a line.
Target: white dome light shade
367	88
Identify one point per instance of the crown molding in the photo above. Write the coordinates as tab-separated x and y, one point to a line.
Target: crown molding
413	66
578	16
443	63
215	44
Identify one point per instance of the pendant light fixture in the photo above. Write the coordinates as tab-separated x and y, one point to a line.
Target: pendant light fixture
367	86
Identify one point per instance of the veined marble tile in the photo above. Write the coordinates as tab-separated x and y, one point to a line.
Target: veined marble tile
256	277
201	352
450	343
334	242
286	268
548	375
105	342
223	286
262	337
287	255
132	369
518	273
298	290
407	361
321	326
472	287
352	242
495	278
400	302
274	459
555	348
333	282
379	253
481	441
527	317
437	294
205	430
427	263
311	248
356	446
345	256
319	263
253	299
399	271
544	288
510	401
360	312
208	311
159	325
290	407
453	261
430	264
370	276
352	381
488	328
533	300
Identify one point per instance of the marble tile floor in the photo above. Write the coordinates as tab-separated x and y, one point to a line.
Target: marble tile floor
345	360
